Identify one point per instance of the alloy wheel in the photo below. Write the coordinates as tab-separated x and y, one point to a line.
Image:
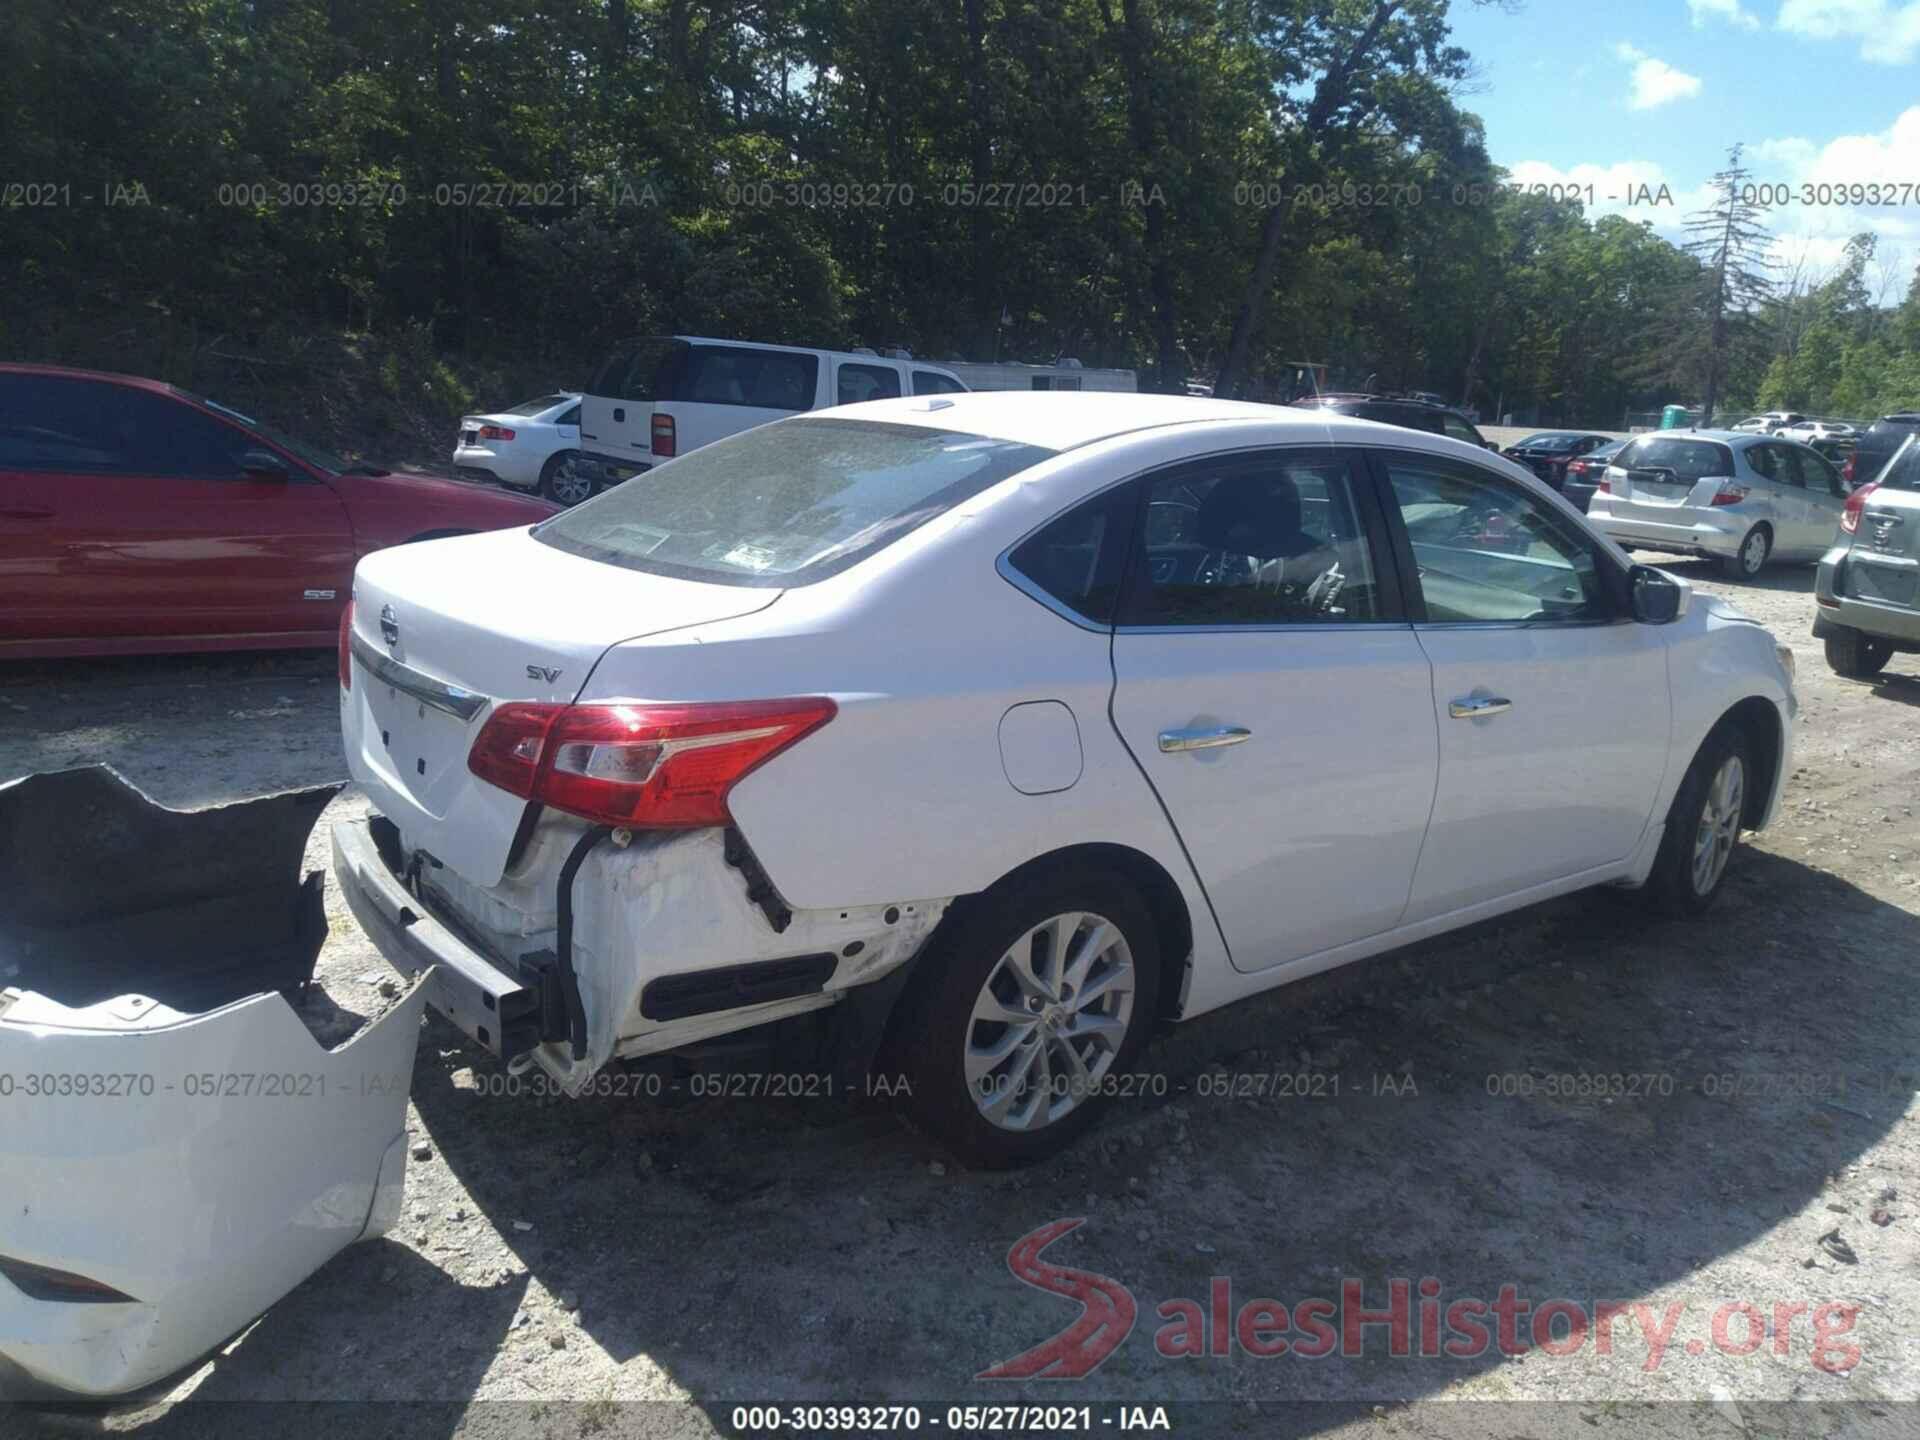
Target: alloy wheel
1719	826
570	483
1753	554
1050	1020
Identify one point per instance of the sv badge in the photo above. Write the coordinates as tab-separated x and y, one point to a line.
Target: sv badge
541	672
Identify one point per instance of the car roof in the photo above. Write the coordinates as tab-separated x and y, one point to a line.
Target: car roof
1065	419
72	373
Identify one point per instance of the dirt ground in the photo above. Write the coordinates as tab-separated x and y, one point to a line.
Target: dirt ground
558	1259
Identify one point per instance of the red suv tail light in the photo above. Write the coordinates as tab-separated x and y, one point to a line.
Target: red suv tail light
1729	493
644	765
663	441
495	432
346	646
1856	502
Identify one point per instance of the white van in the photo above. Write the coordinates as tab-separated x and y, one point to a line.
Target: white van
663	395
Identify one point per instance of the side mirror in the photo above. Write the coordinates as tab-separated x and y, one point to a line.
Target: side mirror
263	465
1658	598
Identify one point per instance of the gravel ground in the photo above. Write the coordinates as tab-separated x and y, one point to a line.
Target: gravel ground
557	1258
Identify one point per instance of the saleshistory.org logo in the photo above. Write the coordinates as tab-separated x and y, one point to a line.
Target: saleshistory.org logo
1416	1321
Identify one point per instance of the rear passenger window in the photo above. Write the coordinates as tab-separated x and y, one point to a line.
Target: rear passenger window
1075	560
1271	539
735	375
931	382
859	383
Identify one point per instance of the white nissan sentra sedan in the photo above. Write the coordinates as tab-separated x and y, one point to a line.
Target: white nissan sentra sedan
1000	727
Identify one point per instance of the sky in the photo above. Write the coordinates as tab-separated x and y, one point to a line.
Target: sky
1621	94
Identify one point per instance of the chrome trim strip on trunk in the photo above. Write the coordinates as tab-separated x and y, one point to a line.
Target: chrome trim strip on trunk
463	704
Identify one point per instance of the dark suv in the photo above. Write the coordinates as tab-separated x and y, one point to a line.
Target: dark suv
1877	444
1400	410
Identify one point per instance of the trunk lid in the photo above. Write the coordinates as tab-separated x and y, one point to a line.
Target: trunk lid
443	631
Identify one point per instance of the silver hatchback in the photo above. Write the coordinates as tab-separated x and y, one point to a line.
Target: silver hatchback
1867	591
1741	499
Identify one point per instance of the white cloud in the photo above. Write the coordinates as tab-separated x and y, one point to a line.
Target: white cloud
1808	234
1888	31
1730	11
1656	83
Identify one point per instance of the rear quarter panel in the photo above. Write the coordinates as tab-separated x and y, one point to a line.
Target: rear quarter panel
903	795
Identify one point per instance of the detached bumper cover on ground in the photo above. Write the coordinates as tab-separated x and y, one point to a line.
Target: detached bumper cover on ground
177	1151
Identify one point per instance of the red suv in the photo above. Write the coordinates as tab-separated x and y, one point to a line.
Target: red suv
135	517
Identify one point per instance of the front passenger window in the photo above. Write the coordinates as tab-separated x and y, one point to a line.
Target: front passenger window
1485	551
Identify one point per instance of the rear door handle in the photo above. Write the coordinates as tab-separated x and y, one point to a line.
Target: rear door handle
1177	742
26	514
1474	707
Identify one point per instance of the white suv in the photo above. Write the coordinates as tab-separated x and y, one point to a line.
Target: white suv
1741	499
664	395
1047	717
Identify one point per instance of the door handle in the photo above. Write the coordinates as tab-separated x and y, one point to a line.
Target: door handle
23	513
1178	742
1475	707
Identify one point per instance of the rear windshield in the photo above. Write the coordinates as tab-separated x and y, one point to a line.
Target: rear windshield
785	504
1687	459
534	407
1902	472
1550	440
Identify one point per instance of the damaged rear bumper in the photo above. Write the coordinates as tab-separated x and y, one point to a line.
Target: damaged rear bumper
590	951
177	1150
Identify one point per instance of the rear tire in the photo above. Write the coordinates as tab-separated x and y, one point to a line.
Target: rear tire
1856	655
1751	558
563	480
1071	958
1703	825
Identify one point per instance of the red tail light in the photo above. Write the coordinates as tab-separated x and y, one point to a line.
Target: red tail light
663	435
1601	487
495	432
346	646
1856	502
1729	493
1846	470
644	765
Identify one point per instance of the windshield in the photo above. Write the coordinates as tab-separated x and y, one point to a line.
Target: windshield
314	455
534	407
785	504
1549	440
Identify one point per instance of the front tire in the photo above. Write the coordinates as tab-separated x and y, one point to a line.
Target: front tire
1855	655
1751	558
564	478
1704	825
1027	1013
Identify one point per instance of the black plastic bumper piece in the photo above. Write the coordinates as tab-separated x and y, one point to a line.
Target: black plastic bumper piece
731	987
495	1010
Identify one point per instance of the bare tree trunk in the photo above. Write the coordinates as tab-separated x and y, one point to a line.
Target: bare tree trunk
1333	91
